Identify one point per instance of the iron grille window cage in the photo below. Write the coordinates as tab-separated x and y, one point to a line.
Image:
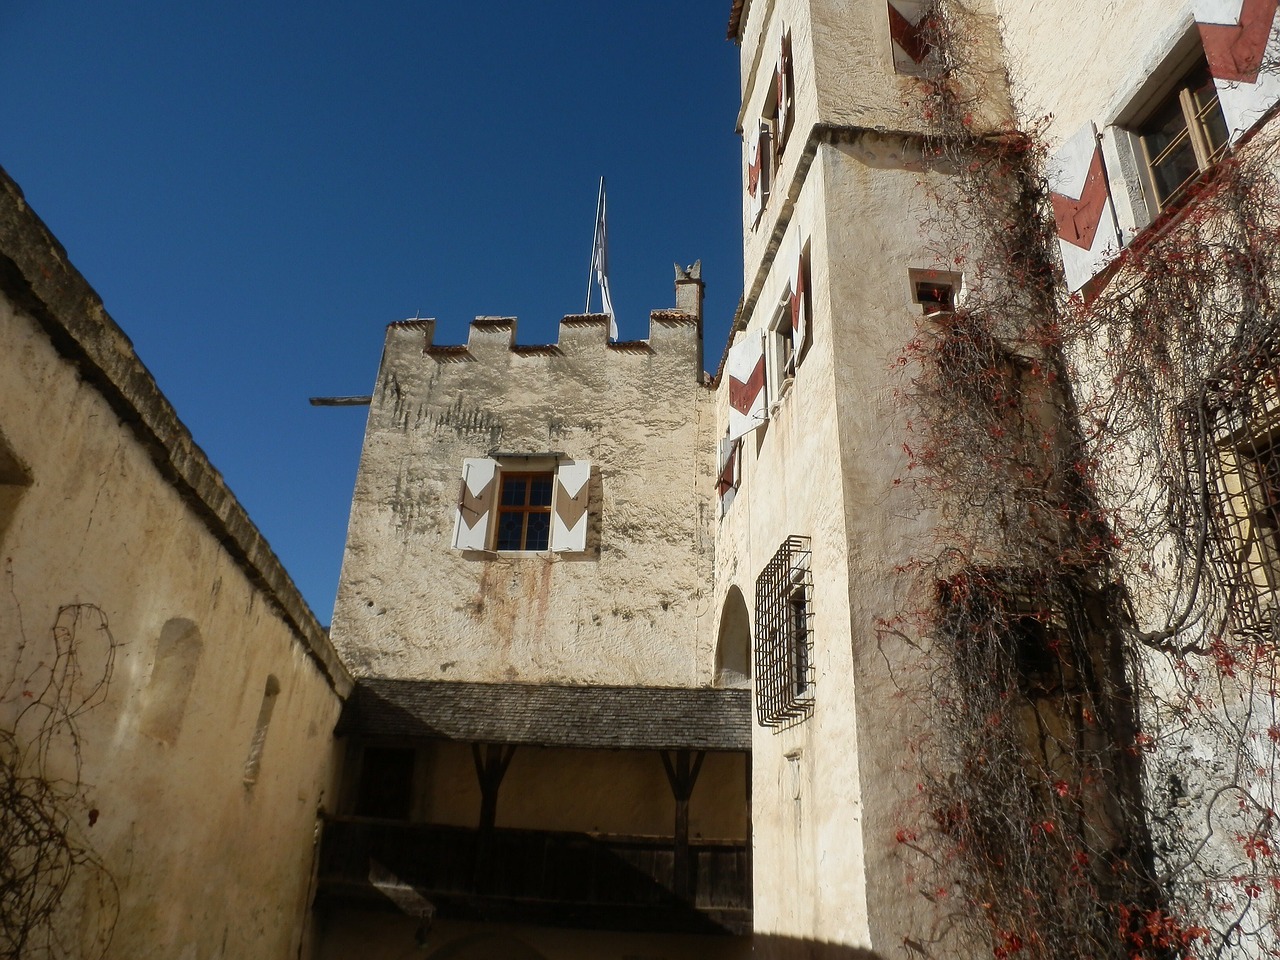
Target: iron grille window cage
1246	469
784	635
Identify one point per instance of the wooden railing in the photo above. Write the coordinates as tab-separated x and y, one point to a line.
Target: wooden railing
540	876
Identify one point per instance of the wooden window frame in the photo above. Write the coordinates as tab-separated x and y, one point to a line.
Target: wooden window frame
525	509
1257	462
781	360
1199	121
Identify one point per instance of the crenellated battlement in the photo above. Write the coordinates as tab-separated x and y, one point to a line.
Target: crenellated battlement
672	331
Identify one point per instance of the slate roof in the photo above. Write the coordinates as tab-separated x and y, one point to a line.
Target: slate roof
613	718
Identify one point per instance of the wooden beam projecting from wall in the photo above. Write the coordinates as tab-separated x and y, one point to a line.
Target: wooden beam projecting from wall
341	401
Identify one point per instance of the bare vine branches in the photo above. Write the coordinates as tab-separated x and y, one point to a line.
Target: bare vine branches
45	856
1101	668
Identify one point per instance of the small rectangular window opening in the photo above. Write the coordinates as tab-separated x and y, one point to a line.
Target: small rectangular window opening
934	290
799	602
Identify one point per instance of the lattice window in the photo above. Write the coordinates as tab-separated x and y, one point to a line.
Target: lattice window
1246	410
784	635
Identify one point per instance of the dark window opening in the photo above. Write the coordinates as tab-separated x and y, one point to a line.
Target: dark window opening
524	511
800	641
934	290
1032	652
935	297
386	783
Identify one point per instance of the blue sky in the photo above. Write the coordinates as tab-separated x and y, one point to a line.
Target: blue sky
257	189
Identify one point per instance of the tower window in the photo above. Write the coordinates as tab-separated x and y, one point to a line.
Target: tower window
524	511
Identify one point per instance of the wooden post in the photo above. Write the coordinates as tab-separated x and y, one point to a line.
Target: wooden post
682	774
491	766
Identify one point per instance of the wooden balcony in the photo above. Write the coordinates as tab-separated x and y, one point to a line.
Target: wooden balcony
542	877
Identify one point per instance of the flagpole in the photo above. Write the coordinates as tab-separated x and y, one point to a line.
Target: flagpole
595	236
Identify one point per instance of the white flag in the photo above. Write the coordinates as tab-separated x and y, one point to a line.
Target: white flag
600	264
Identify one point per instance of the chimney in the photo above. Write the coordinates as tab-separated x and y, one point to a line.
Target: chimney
689	289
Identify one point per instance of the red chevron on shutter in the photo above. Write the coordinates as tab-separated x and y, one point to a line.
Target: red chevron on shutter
728	474
913	38
745	367
1078	218
753	168
743	393
800	312
1235	52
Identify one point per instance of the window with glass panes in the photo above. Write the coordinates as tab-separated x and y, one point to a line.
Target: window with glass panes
524	512
1183	136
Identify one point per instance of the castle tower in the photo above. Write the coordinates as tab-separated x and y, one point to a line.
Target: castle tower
536	752
839	272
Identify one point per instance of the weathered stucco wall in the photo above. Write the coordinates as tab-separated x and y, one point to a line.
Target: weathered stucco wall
1114	50
830	792
628	609
126	558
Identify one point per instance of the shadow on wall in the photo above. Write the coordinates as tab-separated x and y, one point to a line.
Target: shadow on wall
733	646
382	935
497	946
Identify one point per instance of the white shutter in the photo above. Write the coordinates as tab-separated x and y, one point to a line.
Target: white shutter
569	510
730	472
758	167
744	366
475	504
799	300
1242	48
785	102
1082	207
910	23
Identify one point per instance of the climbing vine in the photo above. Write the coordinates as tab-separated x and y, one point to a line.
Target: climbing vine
1099	662
56	897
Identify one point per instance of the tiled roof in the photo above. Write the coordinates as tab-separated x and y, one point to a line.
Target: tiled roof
735	18
648	718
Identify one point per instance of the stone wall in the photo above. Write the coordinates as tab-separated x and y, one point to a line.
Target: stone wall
138	593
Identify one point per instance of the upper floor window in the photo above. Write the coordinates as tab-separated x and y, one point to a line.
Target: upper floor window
781	357
934	290
1182	136
524	512
914	28
522	503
